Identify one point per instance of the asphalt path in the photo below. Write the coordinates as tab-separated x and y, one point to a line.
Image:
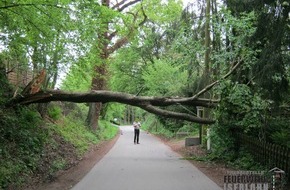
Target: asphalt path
150	165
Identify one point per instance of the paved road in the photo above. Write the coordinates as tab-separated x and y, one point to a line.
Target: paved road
150	165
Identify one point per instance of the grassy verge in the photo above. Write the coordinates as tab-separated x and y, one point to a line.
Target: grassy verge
34	149
153	126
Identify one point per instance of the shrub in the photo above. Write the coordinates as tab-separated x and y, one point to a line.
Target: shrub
54	112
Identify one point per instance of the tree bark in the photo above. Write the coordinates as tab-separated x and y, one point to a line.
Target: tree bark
150	104
98	81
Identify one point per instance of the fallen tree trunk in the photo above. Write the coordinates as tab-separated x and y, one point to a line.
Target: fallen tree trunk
150	104
147	103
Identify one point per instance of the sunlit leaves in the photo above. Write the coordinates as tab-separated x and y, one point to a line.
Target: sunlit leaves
162	11
125	71
164	79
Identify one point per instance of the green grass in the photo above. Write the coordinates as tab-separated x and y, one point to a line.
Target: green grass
153	126
76	133
107	130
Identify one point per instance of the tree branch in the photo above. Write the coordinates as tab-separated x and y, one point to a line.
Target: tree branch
108	96
28	5
116	6
208	87
176	115
112	35
147	103
124	40
123	5
119	43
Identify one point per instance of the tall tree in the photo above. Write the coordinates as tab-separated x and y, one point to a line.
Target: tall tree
116	31
272	39
106	46
35	30
207	68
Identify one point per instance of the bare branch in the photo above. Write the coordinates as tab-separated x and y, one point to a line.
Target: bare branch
120	42
119	4
208	87
10	70
28	5
145	17
123	5
176	115
112	35
124	40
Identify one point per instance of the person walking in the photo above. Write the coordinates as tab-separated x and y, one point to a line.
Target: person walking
136	126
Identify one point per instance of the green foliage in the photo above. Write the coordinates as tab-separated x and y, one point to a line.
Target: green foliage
126	69
191	128
76	133
80	75
33	35
245	161
57	165
114	111
106	130
164	79
153	125
162	12
278	131
78	111
54	112
281	137
25	140
239	31
271	39
21	144
240	111
240	107
164	58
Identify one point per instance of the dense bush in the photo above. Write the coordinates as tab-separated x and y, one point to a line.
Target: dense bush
240	111
31	145
21	144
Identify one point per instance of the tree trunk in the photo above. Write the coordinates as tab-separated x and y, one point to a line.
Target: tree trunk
98	83
207	71
100	72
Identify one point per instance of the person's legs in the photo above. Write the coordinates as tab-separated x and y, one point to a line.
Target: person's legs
138	133
135	135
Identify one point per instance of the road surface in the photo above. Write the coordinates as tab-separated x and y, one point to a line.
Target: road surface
150	165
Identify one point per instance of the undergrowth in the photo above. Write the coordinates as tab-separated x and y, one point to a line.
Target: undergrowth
75	132
152	125
21	144
31	145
